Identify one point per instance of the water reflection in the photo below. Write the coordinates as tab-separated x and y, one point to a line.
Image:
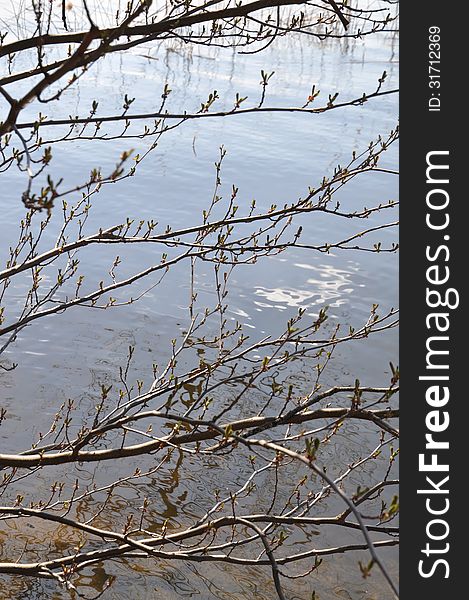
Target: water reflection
331	287
271	159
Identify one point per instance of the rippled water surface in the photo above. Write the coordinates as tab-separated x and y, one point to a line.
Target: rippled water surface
272	157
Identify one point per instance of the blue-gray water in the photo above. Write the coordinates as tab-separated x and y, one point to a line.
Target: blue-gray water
270	157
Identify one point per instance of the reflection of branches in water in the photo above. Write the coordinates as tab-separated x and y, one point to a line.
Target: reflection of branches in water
234	27
206	531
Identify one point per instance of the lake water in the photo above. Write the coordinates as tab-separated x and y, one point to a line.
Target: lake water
272	157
